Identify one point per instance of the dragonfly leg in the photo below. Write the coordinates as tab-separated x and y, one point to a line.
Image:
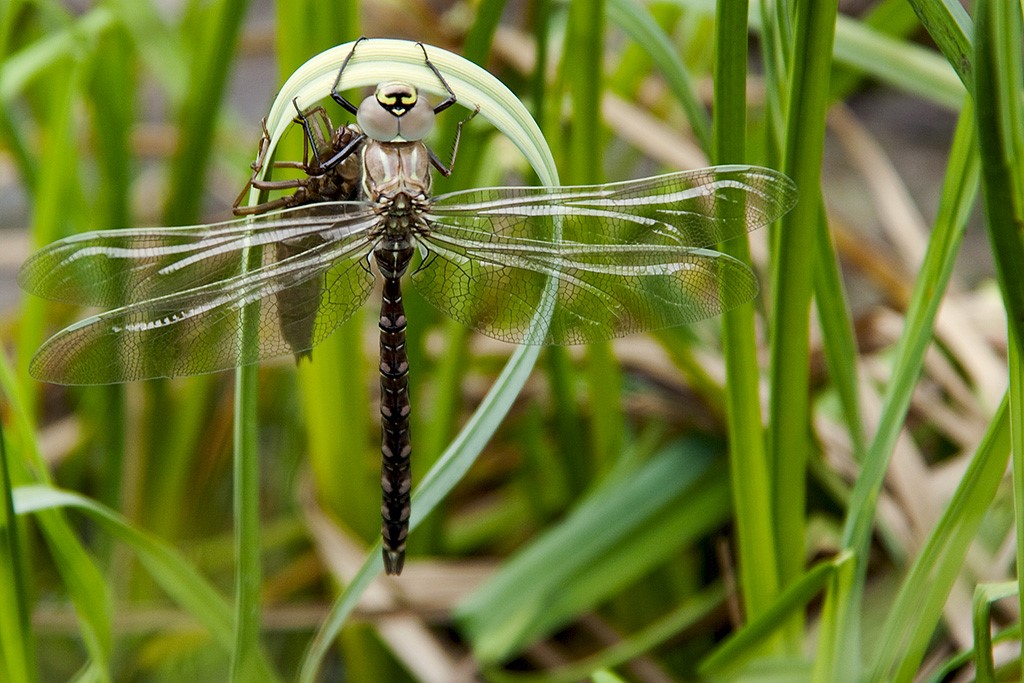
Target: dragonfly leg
344	153
279	203
311	139
451	99
337	96
437	163
256	165
322	166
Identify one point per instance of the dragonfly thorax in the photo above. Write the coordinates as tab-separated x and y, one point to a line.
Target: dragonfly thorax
393	168
391	114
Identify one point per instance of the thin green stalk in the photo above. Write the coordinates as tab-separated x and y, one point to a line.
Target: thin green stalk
751	481
792	286
112	85
999	77
562	379
984	595
829	664
839	339
998	73
245	657
583	71
1017	450
959	191
16	636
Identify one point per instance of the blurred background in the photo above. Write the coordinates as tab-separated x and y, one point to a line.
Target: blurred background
598	528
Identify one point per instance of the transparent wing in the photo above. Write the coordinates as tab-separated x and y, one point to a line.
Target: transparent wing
300	296
697	208
628	257
599	293
114	268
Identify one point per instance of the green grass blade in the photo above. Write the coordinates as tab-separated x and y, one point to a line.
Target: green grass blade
165	565
959	660
917	610
683	616
1017	449
999	77
636	20
901	64
16	638
630	522
959	192
583	74
246	467
838	335
792	285
984	595
949	25
751	481
830	662
208	74
742	645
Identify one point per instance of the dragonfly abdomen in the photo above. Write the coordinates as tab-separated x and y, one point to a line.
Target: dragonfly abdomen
396	474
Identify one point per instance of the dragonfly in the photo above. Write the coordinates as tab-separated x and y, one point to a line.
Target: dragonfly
525	265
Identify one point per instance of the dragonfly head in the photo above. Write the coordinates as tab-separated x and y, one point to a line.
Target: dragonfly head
395	113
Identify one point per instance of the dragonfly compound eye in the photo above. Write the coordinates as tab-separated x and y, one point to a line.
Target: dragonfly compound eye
390	115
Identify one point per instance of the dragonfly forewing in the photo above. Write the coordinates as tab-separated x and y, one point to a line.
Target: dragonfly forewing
697	208
199	330
114	268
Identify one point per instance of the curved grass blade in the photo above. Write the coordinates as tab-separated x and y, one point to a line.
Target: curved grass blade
379	60
165	564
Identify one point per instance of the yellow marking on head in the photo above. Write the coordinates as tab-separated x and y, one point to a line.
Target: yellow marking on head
396	97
